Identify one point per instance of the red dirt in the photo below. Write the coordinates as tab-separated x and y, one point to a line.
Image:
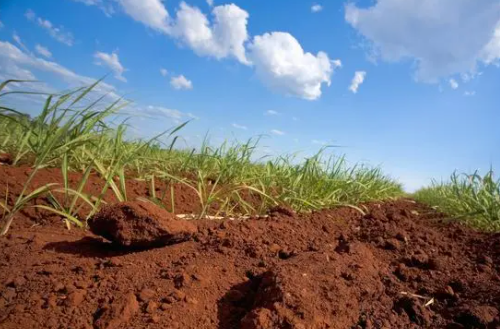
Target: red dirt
140	224
399	266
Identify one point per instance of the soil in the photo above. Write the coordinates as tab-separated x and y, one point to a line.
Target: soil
399	266
140	224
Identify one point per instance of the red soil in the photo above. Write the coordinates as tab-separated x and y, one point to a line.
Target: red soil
399	266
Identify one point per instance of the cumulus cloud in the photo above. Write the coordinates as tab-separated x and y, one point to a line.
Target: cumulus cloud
112	62
210	3
316	8
151	13
277	132
359	78
443	37
225	37
58	33
282	64
181	82
43	51
238	126
453	84
163	72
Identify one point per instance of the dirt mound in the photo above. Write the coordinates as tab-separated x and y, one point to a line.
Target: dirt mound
140	224
400	266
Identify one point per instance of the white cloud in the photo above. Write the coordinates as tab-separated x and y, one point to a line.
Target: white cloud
210	3
58	33
443	37
43	51
357	80
18	40
319	142
159	111
237	126
163	72
106	7
112	62
453	84
225	37
271	112
180	82
12	56
277	132
469	93
491	52
316	8
282	64
151	13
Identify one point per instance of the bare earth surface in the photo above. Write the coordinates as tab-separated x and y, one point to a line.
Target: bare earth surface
398	266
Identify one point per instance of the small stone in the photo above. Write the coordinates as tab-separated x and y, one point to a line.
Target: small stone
151	307
118	313
81	284
393	244
155	319
146	294
58	286
75	298
191	300
182	280
274	248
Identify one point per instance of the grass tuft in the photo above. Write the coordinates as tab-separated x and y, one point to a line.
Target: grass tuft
472	198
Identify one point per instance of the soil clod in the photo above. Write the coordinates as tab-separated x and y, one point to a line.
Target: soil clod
140	224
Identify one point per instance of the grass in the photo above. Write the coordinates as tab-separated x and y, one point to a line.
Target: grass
77	134
472	198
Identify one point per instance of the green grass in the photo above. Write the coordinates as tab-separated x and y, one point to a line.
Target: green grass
78	135
474	199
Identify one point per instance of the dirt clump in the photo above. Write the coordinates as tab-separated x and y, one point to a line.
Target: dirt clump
118	313
6	159
140	224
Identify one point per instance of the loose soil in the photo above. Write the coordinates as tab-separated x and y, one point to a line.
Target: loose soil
399	266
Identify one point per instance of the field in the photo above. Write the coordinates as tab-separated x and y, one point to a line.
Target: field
103	231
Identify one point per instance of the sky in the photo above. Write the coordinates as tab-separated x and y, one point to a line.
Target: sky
411	86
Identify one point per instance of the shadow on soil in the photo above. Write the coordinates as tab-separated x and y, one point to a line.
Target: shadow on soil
237	303
89	247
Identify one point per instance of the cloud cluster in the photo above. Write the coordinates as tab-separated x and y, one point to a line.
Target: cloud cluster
43	51
58	33
181	82
112	62
238	126
283	65
278	58
316	8
224	37
357	80
161	112
18	64
444	37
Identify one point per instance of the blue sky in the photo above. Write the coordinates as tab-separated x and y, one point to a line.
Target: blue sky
409	85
